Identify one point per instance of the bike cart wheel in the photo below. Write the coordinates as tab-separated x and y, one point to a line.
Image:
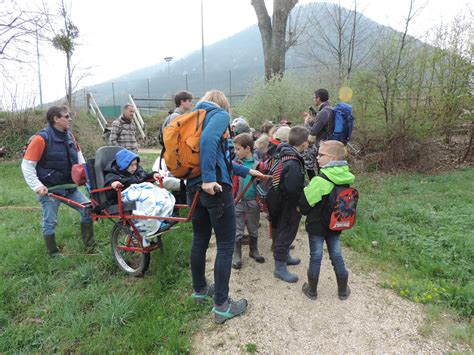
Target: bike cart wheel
132	262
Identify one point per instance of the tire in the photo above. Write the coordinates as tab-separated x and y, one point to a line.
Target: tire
130	262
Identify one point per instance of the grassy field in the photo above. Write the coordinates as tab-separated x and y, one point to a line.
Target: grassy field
422	225
81	302
420	230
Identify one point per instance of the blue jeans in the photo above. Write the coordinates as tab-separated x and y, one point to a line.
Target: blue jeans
213	212
50	208
316	254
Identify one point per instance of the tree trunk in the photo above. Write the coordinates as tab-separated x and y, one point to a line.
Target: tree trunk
265	27
69	80
273	34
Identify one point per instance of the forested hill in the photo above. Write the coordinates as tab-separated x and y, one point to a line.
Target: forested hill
238	60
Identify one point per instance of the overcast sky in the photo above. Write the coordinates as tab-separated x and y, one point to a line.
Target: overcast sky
119	36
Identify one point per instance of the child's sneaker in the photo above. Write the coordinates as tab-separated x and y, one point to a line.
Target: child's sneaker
204	295
229	309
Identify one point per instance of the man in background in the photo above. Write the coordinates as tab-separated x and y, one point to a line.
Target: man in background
123	130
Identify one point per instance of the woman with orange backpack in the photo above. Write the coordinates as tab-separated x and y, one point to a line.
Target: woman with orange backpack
215	209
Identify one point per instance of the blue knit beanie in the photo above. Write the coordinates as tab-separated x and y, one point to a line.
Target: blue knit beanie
124	158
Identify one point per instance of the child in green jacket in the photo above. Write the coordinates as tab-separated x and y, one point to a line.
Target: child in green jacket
314	204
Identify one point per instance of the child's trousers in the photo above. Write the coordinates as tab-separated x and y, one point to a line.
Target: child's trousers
288	224
335	254
247	213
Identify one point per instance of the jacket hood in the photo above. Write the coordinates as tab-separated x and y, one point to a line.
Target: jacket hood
318	187
338	173
124	158
286	149
206	105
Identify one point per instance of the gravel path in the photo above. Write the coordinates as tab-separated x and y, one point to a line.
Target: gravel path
280	319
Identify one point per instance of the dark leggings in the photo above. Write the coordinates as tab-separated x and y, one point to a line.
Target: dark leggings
213	212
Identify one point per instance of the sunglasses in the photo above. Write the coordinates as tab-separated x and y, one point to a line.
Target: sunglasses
68	116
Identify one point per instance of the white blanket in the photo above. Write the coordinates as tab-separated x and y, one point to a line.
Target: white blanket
150	200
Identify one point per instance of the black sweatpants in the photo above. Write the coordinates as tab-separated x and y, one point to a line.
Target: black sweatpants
288	223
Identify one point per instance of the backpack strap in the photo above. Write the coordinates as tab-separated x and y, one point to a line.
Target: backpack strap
277	168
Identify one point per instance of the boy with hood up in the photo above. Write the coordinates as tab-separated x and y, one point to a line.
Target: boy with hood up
313	203
125	170
282	204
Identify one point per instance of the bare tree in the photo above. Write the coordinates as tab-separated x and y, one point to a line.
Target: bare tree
275	40
65	41
337	34
18	27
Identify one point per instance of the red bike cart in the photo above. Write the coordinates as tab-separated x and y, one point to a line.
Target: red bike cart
126	242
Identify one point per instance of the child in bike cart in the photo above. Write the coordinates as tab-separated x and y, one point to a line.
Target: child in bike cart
125	173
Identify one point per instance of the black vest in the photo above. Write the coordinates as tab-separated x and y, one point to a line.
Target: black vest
60	154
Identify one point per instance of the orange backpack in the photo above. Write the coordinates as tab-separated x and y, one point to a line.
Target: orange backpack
181	138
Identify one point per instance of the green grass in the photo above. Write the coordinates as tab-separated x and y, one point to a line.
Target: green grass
424	228
83	303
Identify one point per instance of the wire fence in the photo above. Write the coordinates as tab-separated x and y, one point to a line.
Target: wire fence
156	93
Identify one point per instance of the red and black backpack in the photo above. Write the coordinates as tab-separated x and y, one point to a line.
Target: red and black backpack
272	166
340	209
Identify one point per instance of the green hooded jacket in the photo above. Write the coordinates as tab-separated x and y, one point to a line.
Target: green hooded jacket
336	171
313	199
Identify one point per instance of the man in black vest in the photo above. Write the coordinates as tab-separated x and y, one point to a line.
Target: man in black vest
47	163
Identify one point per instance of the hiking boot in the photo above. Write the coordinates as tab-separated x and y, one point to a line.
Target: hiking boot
237	256
87	234
51	247
253	250
310	288
281	272
229	309
292	261
204	295
343	290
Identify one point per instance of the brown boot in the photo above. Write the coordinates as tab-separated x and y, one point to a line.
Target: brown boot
87	234
51	247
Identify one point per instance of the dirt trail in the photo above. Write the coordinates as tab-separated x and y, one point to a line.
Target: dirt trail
280	319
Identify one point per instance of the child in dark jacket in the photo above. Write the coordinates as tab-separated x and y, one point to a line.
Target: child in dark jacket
124	171
314	204
284	214
247	211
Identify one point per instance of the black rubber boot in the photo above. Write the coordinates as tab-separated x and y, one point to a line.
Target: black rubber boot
87	234
310	288
51	247
237	256
343	290
253	250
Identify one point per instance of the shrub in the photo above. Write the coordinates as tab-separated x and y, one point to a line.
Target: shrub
279	98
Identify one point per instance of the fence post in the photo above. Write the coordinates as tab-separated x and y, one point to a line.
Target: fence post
148	89
113	97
